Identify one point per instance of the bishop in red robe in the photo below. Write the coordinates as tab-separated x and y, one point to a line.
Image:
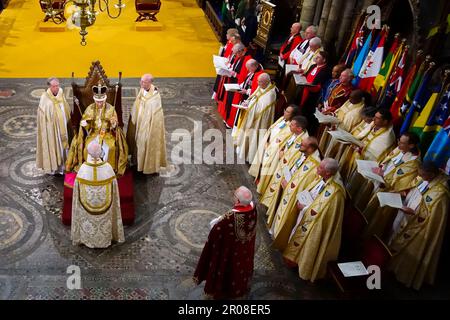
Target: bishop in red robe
226	262
249	85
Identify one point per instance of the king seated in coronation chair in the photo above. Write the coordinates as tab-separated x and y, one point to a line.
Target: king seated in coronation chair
99	122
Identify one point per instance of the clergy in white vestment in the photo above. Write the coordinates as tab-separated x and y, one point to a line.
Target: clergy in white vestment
53	115
258	117
146	132
307	59
96	216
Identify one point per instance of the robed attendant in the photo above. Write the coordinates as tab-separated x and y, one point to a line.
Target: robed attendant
226	262
316	238
96	217
267	157
269	185
399	171
256	118
418	230
146	133
282	218
53	116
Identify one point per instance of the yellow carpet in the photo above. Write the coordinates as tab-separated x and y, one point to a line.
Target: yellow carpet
182	49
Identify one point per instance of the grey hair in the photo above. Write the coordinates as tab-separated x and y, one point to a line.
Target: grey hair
350	72
244	195
331	165
313	28
232	31
51	79
94	149
238	47
315	41
252	62
264	76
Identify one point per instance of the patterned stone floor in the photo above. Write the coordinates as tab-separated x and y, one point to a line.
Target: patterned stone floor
172	214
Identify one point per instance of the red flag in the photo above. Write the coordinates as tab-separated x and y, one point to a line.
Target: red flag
372	65
395	108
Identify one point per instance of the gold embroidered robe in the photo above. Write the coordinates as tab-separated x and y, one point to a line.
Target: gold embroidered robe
398	177
291	151
96	217
258	117
146	132
416	244
99	127
266	158
316	239
285	215
52	143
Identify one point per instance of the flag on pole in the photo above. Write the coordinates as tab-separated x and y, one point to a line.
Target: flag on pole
436	121
357	43
422	118
362	55
396	111
420	99
388	65
395	84
413	87
372	64
439	151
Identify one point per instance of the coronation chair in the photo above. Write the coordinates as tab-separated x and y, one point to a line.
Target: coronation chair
147	9
82	98
57	7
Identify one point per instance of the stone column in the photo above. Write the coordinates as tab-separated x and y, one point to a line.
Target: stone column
324	18
334	18
350	15
318	12
307	15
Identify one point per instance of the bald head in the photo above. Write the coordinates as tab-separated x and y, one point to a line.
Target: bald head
295	29
94	150
243	195
146	81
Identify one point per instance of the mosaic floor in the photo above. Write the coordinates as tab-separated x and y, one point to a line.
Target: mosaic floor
172	215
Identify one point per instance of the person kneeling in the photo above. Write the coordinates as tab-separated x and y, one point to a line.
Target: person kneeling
96	218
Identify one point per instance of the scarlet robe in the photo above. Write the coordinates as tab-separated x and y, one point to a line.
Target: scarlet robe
231	98
225	52
226	262
290	44
317	76
238	65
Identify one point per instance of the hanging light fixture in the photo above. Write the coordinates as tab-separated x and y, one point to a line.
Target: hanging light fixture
84	15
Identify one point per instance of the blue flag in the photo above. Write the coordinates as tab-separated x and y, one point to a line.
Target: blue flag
420	99
362	56
439	151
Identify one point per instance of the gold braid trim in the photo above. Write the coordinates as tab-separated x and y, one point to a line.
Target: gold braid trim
95	183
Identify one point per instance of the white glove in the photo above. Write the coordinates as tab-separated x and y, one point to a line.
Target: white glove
83	123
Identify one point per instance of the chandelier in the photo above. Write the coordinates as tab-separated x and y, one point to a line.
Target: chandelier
84	15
